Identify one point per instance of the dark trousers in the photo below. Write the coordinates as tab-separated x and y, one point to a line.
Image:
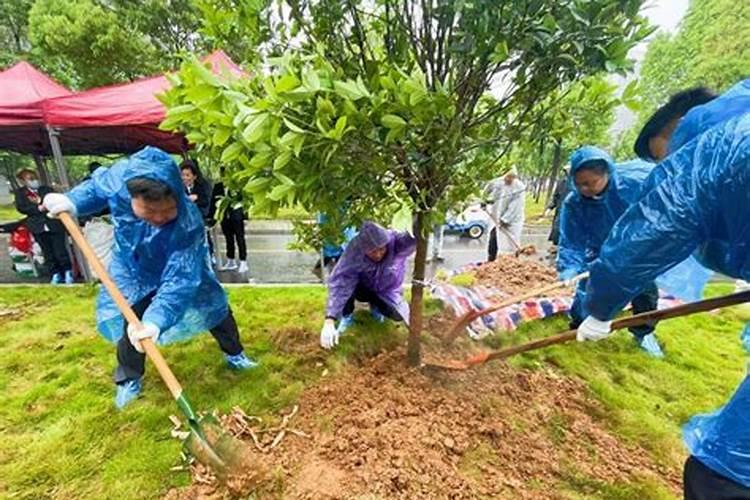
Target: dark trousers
55	250
131	363
647	300
364	294
701	483
210	241
234	231
492	246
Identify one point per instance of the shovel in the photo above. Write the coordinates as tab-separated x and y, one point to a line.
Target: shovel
207	442
637	320
465	320
525	250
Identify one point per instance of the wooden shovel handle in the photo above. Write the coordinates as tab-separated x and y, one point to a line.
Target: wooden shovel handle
122	304
638	319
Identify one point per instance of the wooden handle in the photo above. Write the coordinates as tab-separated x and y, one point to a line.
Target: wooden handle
122	304
638	319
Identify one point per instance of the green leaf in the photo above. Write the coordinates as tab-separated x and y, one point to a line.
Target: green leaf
294	128
392	121
256	128
286	83
279	192
283	179
298	143
348	90
340	126
310	80
257	184
221	136
231	152
500	53
282	160
402	220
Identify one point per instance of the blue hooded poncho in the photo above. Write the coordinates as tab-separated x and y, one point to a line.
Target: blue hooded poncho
171	260
586	222
700	203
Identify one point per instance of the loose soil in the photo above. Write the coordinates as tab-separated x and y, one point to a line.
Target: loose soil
514	275
382	430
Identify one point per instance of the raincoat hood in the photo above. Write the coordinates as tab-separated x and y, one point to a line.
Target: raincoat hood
586	154
732	103
373	236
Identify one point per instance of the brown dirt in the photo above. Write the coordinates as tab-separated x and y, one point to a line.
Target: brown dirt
514	275
390	432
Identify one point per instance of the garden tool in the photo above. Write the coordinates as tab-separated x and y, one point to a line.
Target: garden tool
637	320
207	442
520	250
465	320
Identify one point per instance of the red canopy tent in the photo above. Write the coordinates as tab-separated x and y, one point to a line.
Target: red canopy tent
121	118
23	90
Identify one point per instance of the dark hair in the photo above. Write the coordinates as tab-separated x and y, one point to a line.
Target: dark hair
149	189
93	166
192	166
599	167
677	107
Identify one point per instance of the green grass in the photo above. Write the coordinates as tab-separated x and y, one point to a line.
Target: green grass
61	437
535	209
8	213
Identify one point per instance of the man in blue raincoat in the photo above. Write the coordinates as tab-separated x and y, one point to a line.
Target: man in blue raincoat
700	205
159	263
600	193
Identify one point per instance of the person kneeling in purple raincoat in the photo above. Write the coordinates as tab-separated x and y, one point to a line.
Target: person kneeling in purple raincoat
371	270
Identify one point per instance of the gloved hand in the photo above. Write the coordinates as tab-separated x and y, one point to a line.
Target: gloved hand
149	331
593	329
329	336
55	203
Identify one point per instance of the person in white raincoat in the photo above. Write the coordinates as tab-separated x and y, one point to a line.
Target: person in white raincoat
507	197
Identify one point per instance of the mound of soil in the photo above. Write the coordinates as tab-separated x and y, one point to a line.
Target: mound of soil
385	431
514	275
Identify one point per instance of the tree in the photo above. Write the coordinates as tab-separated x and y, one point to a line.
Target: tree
13	29
387	104
83	44
711	48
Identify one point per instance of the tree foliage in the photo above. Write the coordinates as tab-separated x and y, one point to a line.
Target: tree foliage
711	48
388	103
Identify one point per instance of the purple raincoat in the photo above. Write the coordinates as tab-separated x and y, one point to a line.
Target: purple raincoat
384	278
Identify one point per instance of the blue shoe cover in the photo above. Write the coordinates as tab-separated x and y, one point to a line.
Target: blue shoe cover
345	323
650	344
240	361
126	392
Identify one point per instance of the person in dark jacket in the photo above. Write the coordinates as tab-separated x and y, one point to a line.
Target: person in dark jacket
232	226
49	233
198	190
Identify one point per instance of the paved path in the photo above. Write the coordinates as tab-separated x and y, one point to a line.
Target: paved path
271	261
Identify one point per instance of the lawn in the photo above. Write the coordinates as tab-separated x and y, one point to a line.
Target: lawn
61	437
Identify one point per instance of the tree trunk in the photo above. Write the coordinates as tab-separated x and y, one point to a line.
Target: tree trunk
556	161
414	347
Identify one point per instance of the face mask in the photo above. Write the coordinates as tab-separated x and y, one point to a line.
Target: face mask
33	184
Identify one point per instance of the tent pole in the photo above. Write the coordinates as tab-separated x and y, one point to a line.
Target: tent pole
57	154
65	181
41	169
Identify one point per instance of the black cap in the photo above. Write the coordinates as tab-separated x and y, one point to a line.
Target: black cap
677	107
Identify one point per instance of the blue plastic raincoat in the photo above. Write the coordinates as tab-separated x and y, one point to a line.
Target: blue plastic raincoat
585	222
171	260
701	204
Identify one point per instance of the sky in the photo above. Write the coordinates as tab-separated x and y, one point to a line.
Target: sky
666	14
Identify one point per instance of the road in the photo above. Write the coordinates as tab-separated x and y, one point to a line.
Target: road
271	261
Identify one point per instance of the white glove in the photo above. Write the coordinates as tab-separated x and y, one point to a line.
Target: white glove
593	329
55	203
329	336
149	331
